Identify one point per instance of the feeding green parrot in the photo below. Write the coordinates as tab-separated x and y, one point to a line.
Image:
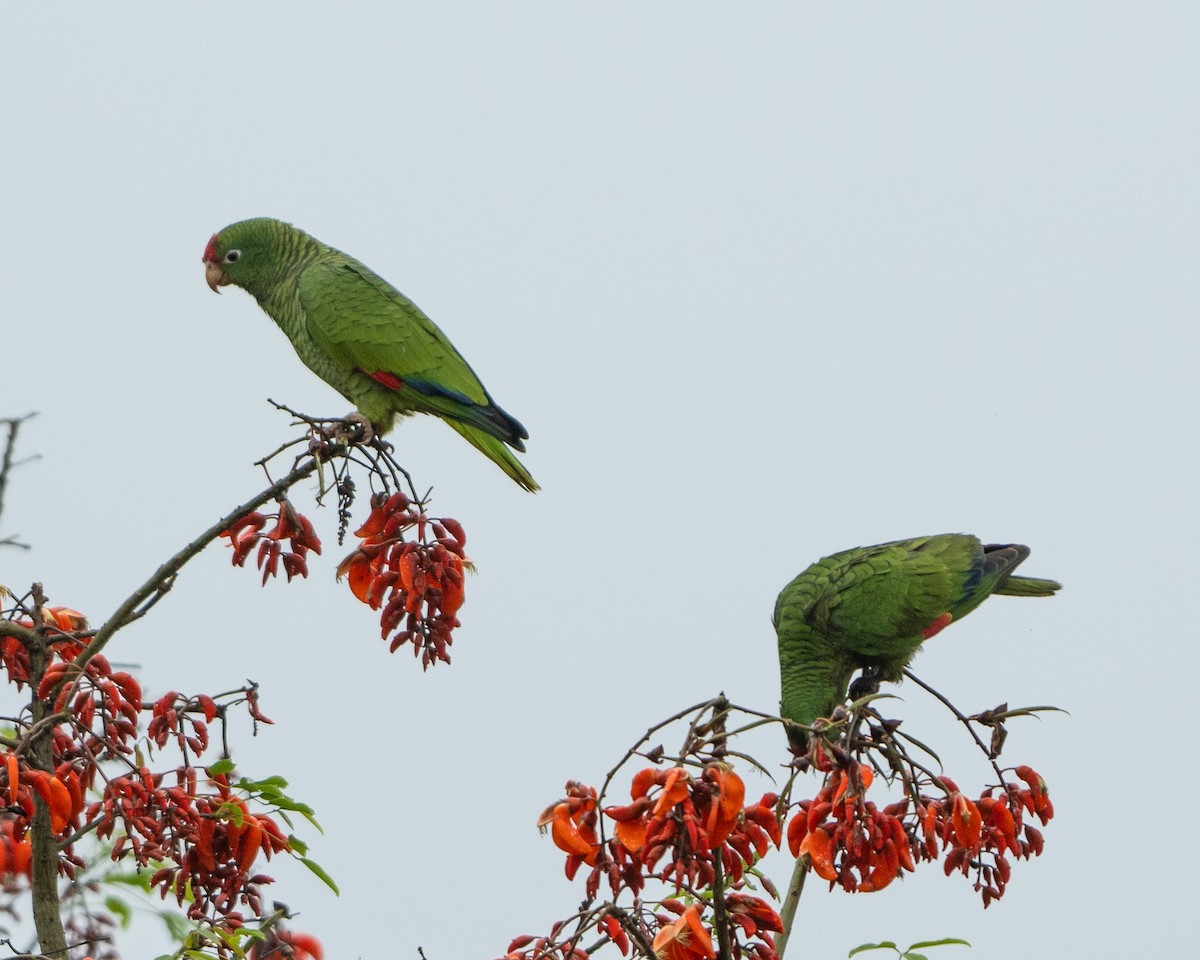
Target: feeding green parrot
361	335
873	607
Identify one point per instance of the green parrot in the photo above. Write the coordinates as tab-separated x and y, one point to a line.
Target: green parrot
872	608
361	335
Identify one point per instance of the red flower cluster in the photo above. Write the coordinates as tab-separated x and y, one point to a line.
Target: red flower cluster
172	716
841	833
290	526
690	820
851	842
204	833
14	658
753	915
104	704
681	829
197	832
990	826
61	791
418	583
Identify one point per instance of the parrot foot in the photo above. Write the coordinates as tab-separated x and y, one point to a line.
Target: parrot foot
866	684
353	428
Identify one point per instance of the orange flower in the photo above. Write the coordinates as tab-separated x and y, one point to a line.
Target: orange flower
642	781
885	864
632	834
571	829
753	914
675	791
967	821
612	926
14	853
796	832
685	939
67	619
359	569
819	847
724	813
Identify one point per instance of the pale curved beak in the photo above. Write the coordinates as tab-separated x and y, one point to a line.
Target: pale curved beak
214	276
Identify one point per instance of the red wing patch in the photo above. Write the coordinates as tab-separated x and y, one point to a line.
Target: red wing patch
389	380
938	625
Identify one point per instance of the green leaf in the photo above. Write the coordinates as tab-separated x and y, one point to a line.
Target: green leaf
139	880
230	811
885	945
285	803
220	767
939	943
122	910
177	925
908	955
298	845
320	872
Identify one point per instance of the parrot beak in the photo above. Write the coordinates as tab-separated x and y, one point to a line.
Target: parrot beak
214	276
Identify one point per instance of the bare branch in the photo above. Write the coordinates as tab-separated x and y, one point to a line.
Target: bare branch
145	596
6	465
791	900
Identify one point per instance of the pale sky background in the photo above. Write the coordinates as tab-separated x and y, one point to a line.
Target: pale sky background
764	281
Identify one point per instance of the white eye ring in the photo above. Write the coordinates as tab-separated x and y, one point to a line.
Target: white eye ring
232	256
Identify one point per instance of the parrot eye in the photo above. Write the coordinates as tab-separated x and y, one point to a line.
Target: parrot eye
233	256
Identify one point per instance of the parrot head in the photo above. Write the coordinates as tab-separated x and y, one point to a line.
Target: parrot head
240	254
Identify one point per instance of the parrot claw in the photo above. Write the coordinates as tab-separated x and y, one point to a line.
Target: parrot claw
353	428
866	684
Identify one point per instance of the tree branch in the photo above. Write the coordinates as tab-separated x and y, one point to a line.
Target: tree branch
6	465
145	596
791	900
47	918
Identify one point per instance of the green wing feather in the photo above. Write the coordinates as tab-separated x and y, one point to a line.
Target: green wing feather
364	323
388	331
878	595
875	606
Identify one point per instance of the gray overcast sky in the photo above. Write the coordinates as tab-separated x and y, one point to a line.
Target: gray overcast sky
764	281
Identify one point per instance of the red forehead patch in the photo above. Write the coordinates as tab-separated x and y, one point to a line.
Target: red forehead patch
210	252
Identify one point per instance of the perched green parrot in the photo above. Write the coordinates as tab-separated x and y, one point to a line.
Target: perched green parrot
873	607
361	335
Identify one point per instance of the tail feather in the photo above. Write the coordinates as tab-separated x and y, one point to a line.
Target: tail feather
451	405
494	449
1028	587
999	557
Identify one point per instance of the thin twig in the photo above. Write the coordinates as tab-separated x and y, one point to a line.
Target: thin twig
138	602
632	929
633	751
6	466
962	719
720	915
